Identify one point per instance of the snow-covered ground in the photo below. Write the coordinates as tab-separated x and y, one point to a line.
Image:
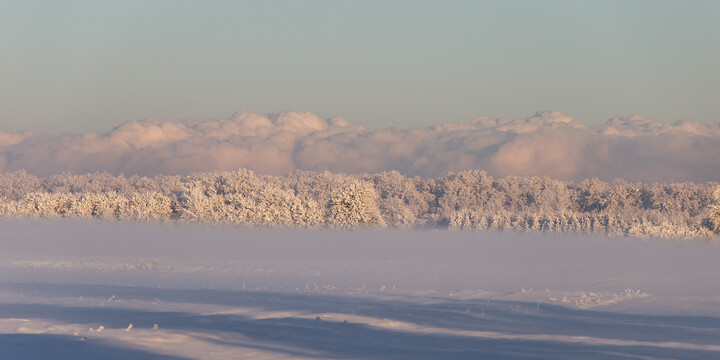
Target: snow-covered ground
124	290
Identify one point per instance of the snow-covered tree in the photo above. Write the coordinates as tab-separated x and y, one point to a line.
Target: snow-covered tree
354	206
715	212
151	206
467	200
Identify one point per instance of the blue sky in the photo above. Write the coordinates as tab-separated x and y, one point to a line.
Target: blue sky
75	66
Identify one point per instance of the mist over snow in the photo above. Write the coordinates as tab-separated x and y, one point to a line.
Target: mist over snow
118	290
221	257
549	143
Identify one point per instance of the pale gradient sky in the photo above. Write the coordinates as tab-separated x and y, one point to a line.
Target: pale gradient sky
72	66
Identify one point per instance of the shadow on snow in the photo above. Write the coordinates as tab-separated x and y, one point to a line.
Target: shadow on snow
310	337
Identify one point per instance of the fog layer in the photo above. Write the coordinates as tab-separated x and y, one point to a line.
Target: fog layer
228	257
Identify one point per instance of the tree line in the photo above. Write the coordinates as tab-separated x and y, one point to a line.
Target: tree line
465	200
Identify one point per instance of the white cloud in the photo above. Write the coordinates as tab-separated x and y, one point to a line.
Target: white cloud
548	143
636	125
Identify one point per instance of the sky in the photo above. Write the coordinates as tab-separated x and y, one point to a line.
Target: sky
79	66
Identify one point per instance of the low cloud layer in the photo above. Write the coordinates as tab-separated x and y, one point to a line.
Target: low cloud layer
549	143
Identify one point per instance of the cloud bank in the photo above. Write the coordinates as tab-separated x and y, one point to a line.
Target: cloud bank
549	143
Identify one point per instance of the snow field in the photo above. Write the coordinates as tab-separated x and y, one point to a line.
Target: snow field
118	290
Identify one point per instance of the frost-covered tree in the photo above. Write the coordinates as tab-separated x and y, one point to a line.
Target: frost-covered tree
273	206
403	202
354	206
43	204
715	212
197	204
8	208
466	200
15	185
151	206
110	205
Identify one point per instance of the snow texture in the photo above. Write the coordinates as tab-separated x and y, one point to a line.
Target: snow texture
175	291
